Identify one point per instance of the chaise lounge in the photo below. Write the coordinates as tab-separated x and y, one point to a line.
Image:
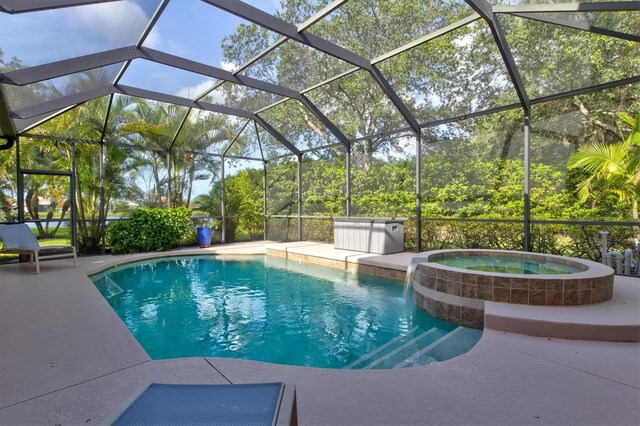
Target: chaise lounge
18	239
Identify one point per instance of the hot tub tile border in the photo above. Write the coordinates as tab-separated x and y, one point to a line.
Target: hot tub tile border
544	290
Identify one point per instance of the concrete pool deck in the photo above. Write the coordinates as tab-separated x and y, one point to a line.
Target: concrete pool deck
66	358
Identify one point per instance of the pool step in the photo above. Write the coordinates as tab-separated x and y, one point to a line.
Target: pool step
416	355
407	346
452	344
111	288
413	349
379	349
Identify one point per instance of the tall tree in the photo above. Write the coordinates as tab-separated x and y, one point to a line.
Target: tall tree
355	103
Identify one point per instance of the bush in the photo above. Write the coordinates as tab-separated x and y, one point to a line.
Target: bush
149	229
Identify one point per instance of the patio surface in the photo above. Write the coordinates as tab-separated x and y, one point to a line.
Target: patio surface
66	358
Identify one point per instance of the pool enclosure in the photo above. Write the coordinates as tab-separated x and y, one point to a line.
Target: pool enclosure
478	123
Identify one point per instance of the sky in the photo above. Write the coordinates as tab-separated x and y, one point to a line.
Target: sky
189	28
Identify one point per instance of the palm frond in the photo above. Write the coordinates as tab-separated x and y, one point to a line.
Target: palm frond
600	159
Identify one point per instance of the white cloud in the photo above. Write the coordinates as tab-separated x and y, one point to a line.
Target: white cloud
269	6
153	40
192	91
217	97
118	22
229	66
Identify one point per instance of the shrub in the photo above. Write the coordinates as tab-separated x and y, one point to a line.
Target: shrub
149	229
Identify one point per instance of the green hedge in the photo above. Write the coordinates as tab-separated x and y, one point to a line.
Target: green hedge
149	229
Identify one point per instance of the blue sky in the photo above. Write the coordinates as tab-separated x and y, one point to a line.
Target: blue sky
189	28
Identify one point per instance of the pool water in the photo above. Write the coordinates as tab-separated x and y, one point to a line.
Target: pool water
269	309
507	265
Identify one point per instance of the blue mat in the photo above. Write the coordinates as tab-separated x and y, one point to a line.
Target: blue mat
251	404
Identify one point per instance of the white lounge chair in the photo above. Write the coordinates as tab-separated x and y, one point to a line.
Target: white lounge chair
18	239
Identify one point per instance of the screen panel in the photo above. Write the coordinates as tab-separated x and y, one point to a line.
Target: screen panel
383	177
553	59
371	28
474	170
357	106
52	35
282	199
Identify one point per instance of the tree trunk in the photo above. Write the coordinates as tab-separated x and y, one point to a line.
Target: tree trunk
32	204
156	178
65	207
367	151
82	225
634	214
191	173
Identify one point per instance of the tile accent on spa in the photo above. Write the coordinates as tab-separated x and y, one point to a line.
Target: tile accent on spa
593	285
461	315
458	295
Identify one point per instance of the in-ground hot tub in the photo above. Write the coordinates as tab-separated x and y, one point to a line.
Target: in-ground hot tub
454	284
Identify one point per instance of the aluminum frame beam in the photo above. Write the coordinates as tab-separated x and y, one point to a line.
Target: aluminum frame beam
418	194
255	129
78	98
578	26
244	126
214	72
23	6
105	124
327	10
527	181
60	139
471	115
172	99
56	69
277	135
264	19
329	80
6	124
612	6
424	39
152	22
428	37
309	22
280	26
299	198
595	88
30	123
177	132
282	40
257	57
63	102
344	140
485	10
83	63
395	99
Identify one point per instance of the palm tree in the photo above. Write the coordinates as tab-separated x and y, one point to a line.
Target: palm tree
615	168
201	131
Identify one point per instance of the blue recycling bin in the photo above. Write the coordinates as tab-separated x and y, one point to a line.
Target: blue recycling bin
204	236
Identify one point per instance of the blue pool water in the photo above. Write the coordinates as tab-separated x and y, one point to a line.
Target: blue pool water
508	265
269	309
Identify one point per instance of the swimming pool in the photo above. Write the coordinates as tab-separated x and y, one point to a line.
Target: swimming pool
269	309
